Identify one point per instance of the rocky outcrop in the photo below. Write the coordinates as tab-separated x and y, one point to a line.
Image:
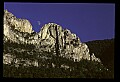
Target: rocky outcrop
21	25
52	37
15	29
69	44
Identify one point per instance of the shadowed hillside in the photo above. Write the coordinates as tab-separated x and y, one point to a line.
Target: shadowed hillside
103	49
82	69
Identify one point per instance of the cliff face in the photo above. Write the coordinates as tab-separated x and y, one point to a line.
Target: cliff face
68	43
14	27
21	25
51	38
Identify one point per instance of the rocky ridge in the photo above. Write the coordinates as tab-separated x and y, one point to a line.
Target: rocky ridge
51	38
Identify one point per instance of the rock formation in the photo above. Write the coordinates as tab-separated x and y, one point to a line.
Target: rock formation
21	25
52	37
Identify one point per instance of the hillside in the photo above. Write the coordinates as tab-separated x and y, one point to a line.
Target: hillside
50	68
103	49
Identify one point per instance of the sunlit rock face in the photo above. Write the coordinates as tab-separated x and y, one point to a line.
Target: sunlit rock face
51	34
21	25
15	27
70	45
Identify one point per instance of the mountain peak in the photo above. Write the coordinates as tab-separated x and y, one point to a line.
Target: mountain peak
52	37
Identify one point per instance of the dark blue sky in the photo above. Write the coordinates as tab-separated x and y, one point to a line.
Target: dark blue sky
90	21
